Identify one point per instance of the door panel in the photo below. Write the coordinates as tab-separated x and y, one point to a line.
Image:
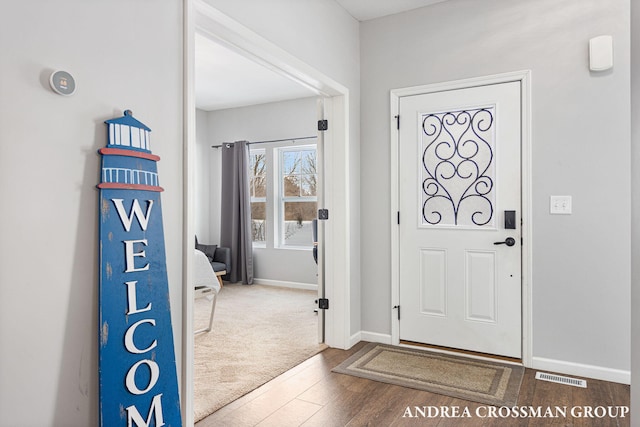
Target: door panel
459	154
433	275
480	286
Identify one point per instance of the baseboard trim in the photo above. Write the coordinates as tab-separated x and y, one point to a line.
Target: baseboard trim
283	284
375	337
355	339
581	370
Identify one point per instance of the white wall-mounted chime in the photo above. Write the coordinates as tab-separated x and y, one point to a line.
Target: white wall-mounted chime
601	53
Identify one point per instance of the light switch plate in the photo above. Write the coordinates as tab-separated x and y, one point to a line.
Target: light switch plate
560	205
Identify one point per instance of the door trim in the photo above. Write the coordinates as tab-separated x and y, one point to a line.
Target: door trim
524	77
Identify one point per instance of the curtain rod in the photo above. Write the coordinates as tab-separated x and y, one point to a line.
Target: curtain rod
265	142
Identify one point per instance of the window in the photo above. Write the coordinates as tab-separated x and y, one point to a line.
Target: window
283	181
298	202
258	193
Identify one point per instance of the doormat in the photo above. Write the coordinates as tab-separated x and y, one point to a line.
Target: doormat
479	381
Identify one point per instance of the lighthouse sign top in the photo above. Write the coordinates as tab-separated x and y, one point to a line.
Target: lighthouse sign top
128	162
127	132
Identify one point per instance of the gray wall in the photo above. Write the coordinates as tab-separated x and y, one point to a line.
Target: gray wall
207	195
124	55
581	263
264	122
635	223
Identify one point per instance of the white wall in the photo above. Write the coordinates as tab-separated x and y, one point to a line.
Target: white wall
635	222
325	36
581	263
264	122
124	55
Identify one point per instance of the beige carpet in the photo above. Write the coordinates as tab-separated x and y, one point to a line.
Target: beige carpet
469	379
258	333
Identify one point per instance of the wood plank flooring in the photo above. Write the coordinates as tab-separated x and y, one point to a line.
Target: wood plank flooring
311	395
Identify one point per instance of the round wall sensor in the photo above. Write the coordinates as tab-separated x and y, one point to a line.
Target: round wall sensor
62	83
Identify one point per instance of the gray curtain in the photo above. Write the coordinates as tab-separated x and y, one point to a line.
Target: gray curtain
235	222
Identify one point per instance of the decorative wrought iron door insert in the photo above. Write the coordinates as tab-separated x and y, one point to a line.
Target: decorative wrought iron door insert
458	168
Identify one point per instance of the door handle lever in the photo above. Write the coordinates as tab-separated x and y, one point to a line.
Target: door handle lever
509	241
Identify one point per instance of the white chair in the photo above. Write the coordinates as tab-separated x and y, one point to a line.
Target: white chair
205	284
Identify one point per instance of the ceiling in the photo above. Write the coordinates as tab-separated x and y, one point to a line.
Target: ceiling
227	79
363	10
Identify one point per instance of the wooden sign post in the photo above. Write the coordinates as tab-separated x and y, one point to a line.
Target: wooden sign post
138	381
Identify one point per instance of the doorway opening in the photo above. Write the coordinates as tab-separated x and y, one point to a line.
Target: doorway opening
203	19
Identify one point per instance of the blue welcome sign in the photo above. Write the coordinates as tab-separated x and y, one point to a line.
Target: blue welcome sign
138	381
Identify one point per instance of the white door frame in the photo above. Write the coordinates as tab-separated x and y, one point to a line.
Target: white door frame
524	77
337	249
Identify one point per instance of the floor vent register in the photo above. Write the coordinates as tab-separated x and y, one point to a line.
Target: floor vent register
561	380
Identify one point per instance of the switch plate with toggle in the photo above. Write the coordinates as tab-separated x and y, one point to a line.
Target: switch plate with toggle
560	205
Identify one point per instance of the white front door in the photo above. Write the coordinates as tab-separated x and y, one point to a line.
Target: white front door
460	219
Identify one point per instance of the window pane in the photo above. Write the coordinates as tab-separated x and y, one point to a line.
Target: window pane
258	221
308	161
290	162
259	186
291	186
297	223
308	185
257	162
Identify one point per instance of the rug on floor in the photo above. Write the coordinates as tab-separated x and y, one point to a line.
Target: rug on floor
460	377
258	333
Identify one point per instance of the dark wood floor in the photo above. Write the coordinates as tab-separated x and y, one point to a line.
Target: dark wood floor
311	395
